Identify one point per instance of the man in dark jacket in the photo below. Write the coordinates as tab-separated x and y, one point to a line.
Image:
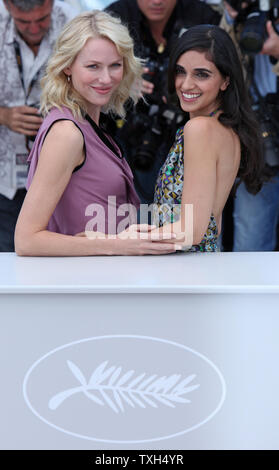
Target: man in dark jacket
153	22
154	25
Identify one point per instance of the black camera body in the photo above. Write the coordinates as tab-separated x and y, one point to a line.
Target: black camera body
155	120
267	111
32	138
251	23
253	18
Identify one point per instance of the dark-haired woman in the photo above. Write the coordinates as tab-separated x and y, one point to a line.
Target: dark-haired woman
220	140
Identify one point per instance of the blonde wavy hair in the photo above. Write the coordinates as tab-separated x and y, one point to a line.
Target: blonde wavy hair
57	91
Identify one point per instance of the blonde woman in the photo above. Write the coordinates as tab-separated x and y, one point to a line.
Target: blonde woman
78	179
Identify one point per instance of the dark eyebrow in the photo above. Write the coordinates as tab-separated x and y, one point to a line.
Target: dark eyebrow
201	69
197	69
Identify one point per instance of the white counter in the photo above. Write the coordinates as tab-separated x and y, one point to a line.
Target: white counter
206	322
180	273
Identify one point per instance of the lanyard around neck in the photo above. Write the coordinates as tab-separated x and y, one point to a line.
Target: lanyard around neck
20	69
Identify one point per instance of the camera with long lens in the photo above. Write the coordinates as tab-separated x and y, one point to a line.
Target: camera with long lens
267	111
252	16
155	120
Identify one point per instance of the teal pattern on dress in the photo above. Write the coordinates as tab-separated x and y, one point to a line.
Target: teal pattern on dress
168	194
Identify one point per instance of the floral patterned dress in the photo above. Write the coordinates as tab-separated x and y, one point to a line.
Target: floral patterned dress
168	194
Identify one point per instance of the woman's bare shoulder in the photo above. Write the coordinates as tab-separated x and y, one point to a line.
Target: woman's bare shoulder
206	131
65	140
201	136
204	124
66	130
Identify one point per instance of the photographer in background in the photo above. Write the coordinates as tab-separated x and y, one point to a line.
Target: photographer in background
28	30
253	25
88	5
149	130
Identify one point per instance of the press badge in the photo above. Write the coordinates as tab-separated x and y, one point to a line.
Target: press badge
21	170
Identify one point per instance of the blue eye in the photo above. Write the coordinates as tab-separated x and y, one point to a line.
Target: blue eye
92	66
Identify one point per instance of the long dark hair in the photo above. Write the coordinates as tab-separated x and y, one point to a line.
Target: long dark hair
234	101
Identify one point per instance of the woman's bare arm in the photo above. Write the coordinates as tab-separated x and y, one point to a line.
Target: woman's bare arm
200	160
61	152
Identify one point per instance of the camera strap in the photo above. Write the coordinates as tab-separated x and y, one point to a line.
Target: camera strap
21	166
20	69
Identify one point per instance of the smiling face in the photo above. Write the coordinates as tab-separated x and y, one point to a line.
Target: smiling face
198	84
96	73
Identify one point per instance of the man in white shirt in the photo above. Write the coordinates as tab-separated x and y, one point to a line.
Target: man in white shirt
28	31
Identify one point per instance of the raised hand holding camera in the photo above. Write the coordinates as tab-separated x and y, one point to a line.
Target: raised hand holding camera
271	45
253	16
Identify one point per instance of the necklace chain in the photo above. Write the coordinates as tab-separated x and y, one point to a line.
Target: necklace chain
214	112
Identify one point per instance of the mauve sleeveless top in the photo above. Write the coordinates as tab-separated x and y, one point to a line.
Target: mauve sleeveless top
97	188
